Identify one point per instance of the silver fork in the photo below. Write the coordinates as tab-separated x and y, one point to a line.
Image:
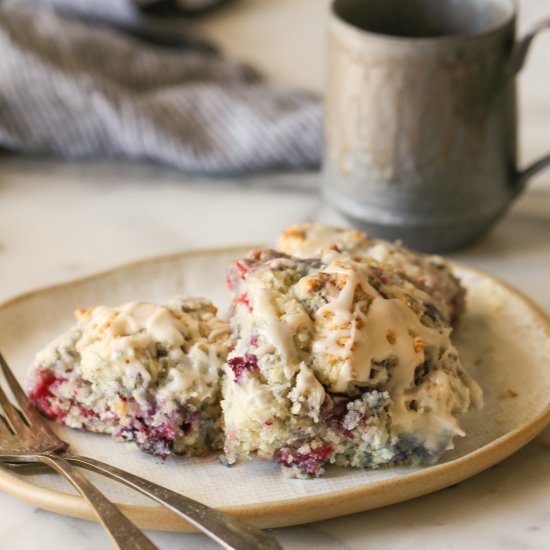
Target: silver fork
25	437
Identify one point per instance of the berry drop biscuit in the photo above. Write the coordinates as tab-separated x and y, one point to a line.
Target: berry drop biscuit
338	361
142	372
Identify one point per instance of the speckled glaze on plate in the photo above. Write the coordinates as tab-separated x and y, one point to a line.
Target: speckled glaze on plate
504	341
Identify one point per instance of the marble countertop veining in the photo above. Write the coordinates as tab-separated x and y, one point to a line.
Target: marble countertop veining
63	220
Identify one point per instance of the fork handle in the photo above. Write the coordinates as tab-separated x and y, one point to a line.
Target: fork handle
124	534
228	531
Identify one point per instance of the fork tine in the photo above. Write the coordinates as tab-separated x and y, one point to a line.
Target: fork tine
28	408
5	430
14	417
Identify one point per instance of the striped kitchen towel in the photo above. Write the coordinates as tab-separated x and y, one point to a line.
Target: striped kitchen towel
93	78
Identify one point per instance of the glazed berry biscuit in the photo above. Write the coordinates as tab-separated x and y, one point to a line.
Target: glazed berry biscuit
338	361
430	273
143	372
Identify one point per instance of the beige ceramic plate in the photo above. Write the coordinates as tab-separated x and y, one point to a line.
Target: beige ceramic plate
504	341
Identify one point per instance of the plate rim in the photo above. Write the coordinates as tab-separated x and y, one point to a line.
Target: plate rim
286	512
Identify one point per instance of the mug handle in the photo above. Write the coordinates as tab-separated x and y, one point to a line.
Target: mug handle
519	56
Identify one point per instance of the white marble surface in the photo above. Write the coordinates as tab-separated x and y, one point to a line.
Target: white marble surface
59	221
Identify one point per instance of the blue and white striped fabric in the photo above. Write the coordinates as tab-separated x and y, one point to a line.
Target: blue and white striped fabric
75	87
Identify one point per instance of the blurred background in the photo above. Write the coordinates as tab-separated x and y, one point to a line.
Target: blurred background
133	209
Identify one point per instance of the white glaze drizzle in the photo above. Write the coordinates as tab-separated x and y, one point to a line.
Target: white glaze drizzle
279	333
158	321
360	340
308	393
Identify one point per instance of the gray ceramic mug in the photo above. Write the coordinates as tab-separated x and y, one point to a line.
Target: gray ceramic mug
420	124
